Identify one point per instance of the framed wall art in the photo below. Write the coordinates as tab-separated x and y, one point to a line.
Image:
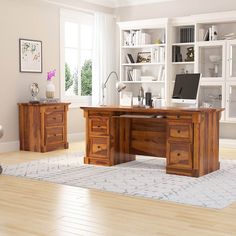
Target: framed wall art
30	55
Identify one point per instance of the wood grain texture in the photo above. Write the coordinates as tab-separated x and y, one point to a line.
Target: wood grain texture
30	208
43	127
188	138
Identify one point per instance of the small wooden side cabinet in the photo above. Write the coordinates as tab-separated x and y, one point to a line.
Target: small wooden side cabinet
43	127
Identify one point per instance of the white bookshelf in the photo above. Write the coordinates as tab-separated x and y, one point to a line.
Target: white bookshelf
155	47
218	83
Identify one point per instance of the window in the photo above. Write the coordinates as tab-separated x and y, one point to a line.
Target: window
76	56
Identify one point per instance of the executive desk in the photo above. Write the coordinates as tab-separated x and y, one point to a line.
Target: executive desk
188	138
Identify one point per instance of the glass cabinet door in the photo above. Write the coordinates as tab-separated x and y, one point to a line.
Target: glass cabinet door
210	96
231	101
232	59
211	60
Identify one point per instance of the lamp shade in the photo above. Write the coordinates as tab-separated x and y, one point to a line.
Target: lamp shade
120	86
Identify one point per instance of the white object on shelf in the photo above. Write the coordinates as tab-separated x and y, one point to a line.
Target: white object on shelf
126	99
145	38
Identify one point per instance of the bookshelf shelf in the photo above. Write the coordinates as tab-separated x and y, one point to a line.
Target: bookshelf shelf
183	63
184	44
143	64
144	46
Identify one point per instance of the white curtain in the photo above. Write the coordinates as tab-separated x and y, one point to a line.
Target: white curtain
104	57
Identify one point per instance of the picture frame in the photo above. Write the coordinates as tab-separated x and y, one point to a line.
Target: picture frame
126	99
30	56
144	57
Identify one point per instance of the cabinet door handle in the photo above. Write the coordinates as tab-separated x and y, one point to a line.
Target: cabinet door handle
178	154
99	147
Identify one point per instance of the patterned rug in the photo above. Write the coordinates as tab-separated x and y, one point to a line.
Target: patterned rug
144	177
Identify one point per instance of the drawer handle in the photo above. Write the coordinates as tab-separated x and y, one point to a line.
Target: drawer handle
178	117
54	118
178	154
98	147
98	126
178	131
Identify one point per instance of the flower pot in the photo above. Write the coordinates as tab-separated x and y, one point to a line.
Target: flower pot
50	90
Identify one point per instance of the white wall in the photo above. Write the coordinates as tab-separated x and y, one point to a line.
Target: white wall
31	19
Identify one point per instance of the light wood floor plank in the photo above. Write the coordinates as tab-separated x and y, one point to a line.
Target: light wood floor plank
30	207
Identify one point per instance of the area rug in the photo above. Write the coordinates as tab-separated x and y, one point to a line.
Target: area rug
144	177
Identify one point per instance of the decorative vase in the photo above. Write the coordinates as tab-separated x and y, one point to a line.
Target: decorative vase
50	90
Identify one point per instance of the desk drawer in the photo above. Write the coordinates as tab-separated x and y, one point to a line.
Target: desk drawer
99	147
54	135
99	126
179	117
54	108
179	155
180	131
55	118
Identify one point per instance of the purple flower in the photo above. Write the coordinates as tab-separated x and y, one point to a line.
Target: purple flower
51	74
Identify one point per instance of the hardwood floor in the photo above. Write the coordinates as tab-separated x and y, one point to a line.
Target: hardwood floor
29	207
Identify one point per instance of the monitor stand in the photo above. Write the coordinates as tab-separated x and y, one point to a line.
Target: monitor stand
184	105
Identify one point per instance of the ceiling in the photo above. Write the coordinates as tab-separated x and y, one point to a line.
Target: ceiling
123	3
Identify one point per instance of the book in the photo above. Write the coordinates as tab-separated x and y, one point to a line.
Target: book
127	59
131	59
130	76
206	36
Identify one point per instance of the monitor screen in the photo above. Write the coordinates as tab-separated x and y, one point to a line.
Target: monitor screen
186	87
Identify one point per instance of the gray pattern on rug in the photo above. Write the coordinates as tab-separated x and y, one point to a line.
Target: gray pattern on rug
144	177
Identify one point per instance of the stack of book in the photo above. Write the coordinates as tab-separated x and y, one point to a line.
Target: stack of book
158	55
136	37
133	74
187	34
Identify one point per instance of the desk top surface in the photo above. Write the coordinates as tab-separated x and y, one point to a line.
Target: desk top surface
151	110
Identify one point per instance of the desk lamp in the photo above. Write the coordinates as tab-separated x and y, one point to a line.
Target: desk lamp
119	85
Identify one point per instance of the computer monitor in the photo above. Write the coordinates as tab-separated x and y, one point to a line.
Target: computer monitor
186	88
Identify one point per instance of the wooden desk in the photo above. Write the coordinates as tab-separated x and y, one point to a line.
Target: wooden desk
188	138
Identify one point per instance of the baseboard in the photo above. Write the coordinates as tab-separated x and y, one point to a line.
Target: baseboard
227	143
76	137
9	146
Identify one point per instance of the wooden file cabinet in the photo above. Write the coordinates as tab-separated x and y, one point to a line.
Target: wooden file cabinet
43	127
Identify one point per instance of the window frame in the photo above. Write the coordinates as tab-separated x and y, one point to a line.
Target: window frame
74	17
